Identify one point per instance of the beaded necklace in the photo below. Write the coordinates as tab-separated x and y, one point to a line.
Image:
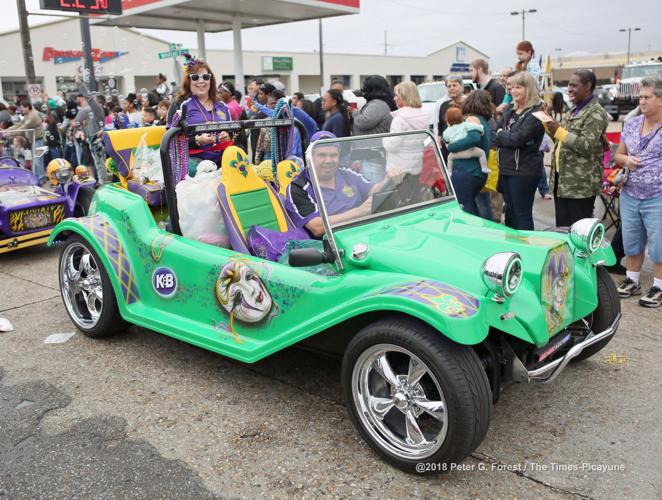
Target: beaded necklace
203	110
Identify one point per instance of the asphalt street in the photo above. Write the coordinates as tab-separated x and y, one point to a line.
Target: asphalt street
143	415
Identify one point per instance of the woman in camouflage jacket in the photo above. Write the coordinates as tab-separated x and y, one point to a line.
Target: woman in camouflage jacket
578	154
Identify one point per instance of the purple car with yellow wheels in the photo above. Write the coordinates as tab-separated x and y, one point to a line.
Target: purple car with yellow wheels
29	212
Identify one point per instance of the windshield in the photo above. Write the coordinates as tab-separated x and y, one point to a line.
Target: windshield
642	71
361	178
432	92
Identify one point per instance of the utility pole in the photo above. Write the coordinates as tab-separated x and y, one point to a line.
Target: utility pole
28	60
629	30
523	13
88	73
321	58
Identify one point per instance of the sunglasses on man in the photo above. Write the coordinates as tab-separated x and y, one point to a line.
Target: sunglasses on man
196	76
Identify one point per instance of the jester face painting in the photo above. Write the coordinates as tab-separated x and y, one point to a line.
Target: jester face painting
557	283
242	294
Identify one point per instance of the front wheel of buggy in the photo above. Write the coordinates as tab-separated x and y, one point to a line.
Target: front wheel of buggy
419	400
609	306
86	290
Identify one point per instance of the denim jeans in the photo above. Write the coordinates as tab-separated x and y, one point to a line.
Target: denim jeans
484	205
467	187
70	155
519	192
641	222
543	185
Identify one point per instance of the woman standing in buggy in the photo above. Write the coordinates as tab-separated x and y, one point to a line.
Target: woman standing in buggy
198	94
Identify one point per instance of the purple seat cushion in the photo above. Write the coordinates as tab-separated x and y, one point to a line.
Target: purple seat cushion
270	245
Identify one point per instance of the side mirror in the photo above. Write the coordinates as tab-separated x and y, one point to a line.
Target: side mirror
304	257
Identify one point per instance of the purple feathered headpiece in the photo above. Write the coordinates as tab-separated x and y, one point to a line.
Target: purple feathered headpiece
191	61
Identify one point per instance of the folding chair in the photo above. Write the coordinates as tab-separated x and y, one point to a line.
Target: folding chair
610	194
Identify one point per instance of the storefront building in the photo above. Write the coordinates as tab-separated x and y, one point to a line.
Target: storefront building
130	60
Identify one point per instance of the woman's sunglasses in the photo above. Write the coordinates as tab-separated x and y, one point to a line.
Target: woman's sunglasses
196	76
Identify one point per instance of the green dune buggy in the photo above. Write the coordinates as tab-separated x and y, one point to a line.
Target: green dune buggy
433	311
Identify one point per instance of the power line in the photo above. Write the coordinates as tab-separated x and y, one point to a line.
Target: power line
426	10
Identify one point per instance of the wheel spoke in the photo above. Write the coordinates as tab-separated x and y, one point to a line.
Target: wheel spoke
72	274
381	406
414	434
383	367
71	290
433	408
416	372
86	265
91	302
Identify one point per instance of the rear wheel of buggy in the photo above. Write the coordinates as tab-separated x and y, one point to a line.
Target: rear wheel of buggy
86	290
419	400
609	305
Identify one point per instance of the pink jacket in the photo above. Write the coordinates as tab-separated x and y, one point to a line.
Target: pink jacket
406	151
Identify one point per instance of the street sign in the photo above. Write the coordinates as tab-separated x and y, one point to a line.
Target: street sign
271	63
172	53
34	90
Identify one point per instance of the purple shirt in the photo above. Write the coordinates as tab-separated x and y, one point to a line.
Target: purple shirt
645	182
351	190
196	113
581	106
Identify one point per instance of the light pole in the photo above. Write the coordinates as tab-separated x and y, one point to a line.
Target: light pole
523	13
629	30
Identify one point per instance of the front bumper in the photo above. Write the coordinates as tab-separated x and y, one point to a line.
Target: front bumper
547	373
12	243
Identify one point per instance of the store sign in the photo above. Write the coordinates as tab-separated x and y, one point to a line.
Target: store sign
66	56
270	63
459	68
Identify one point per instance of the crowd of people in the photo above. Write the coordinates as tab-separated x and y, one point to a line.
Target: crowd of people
71	124
494	139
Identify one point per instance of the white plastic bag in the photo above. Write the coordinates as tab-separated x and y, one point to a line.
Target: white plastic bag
147	163
199	209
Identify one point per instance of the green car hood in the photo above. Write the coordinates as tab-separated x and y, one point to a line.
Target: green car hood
447	245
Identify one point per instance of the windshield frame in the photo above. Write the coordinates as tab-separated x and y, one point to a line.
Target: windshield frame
310	165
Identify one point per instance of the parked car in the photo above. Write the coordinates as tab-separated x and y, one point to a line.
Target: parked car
433	311
433	94
607	97
29	212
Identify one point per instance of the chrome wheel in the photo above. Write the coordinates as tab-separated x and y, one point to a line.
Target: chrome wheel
399	402
82	288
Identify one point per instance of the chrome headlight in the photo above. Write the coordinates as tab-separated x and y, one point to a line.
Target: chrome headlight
587	235
502	274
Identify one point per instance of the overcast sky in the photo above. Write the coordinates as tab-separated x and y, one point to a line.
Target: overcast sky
418	27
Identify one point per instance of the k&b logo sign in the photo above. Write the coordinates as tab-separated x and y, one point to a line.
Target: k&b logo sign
164	282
